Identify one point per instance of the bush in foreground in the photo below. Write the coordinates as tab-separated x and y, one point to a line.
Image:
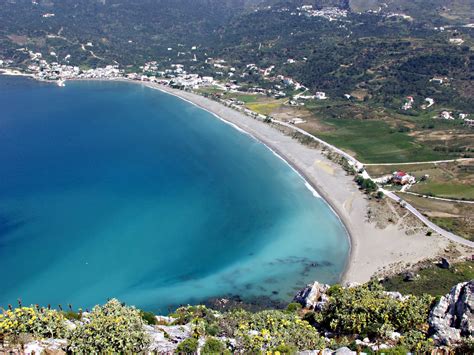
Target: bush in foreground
38	322
268	330
109	328
188	346
369	311
213	346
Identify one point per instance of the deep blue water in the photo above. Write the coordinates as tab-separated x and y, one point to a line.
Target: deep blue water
118	190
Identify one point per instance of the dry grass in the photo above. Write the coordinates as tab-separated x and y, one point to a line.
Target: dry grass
455	217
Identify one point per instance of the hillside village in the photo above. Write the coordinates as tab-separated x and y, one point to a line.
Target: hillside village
177	76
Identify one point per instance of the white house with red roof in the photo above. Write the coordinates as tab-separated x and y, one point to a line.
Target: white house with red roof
402	178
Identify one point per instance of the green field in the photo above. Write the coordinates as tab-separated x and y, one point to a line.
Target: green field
448	190
433	280
210	90
376	142
244	98
455	225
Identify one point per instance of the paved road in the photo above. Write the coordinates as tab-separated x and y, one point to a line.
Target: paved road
438	198
319	140
391	195
416	213
423	162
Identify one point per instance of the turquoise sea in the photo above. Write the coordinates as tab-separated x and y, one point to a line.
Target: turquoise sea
117	190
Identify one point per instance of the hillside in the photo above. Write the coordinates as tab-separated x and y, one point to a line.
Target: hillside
362	318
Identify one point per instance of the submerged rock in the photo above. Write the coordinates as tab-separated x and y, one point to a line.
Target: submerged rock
453	317
313	296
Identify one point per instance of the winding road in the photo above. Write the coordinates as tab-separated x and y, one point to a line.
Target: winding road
438	198
453	237
422	162
428	223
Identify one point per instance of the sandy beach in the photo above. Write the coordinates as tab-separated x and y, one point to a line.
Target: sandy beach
374	248
14	72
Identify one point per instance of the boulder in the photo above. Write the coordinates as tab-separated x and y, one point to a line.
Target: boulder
159	343
178	333
313	296
409	276
164	320
52	346
444	264
453	317
344	351
165	339
396	295
394	336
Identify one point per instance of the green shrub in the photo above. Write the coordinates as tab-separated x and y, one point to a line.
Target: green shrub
184	315
465	347
41	323
188	346
312	318
285	349
367	184
213	346
293	307
369	311
396	350
148	317
334	289
212	329
109	328
72	316
263	331
417	342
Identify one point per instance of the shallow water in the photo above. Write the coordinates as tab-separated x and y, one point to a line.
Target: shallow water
118	190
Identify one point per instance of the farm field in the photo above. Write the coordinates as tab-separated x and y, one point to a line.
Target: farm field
376	142
447	190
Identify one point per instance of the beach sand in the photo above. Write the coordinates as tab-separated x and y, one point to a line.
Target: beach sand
373	249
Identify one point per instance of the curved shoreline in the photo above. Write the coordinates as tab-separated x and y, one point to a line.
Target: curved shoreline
372	250
198	101
275	150
364	257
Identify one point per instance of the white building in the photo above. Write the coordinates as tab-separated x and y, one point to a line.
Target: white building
321	95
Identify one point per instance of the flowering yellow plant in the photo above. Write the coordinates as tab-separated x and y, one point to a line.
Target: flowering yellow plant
39	322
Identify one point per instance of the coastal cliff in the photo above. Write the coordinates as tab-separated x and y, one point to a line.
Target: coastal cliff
322	319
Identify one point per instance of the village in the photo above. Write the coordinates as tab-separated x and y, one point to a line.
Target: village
226	78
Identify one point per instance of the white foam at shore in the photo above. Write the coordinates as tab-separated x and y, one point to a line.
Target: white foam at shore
307	184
